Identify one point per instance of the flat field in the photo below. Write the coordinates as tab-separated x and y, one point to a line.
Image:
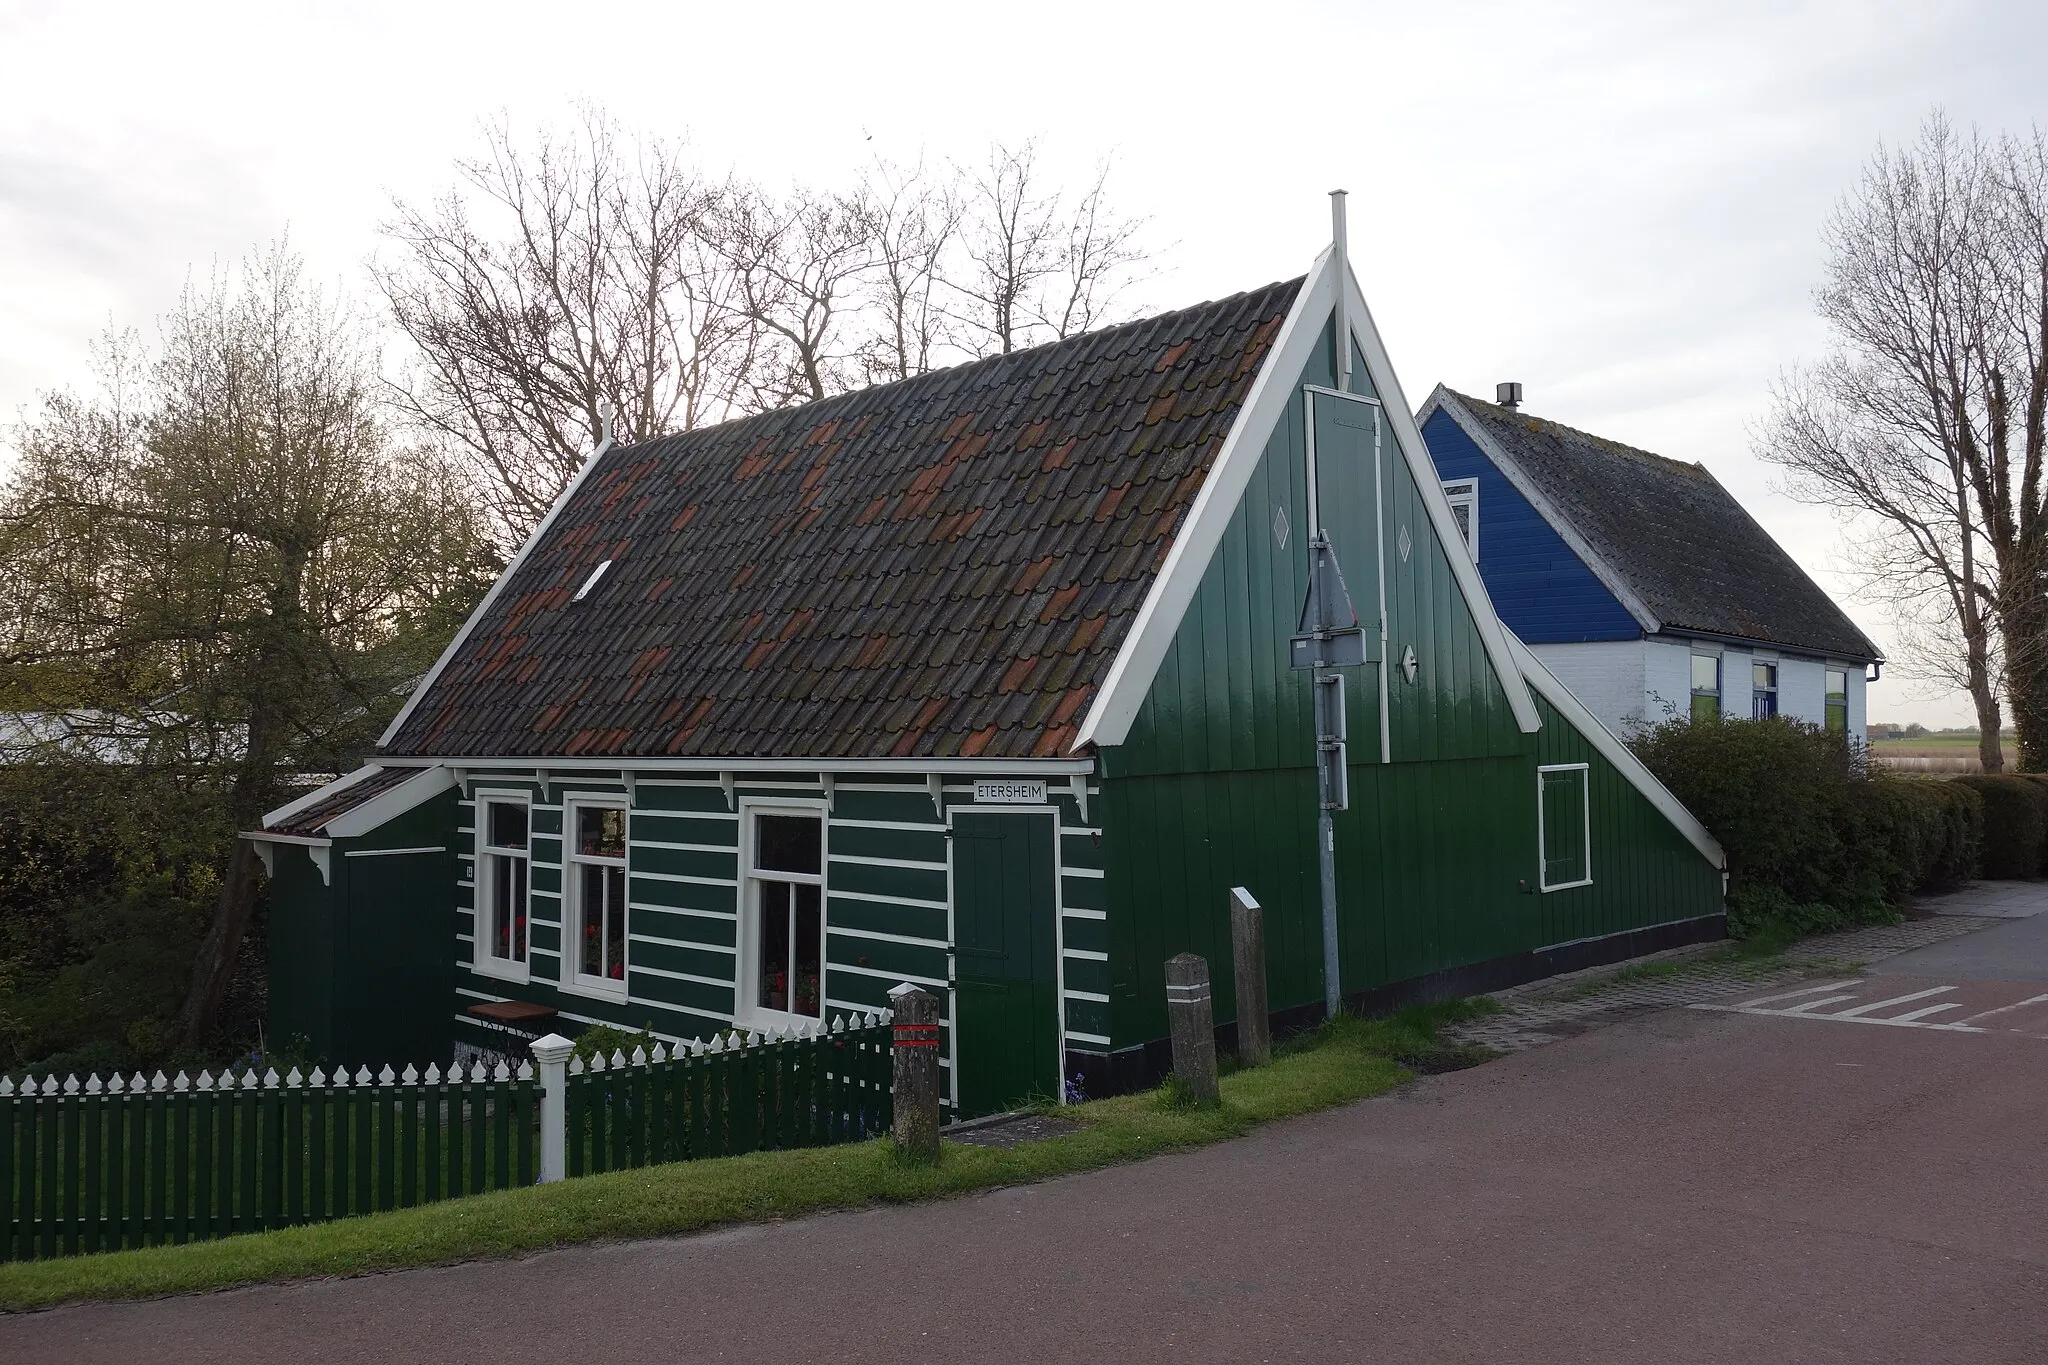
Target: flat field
1938	754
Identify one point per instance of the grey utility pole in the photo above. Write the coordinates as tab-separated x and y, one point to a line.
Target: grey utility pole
1329	638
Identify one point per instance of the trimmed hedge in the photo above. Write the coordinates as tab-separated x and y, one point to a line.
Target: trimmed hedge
1816	839
2015	822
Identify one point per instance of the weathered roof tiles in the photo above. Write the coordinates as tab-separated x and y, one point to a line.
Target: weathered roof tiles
863	576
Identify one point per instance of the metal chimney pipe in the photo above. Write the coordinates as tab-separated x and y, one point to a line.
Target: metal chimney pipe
1507	396
1340	266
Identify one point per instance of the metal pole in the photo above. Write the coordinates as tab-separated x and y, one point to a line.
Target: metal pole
1326	850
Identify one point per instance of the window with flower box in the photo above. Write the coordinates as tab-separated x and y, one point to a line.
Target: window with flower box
783	971
502	825
595	870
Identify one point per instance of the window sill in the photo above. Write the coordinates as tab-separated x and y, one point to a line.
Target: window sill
498	969
594	988
1566	886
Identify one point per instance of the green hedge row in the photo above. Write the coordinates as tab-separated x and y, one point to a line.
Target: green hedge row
2015	822
1816	838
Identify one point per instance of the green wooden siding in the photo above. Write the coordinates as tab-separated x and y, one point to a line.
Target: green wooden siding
887	897
1437	856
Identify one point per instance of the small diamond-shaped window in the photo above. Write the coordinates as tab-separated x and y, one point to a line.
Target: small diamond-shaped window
1404	544
1280	527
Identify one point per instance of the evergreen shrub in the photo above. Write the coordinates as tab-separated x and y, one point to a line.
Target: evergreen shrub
2015	822
1816	839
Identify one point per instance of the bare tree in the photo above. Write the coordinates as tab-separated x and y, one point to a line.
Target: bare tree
800	264
1038	267
1934	298
557	279
915	218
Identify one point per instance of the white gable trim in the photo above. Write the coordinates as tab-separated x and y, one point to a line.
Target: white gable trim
1130	675
1422	469
1615	752
461	636
1609	577
384	806
427	782
1116	706
293	807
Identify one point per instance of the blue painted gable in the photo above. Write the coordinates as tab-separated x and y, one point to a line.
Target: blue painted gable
1541	589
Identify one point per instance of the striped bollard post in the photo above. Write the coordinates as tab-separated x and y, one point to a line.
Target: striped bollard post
551	1054
916	1056
1191	1018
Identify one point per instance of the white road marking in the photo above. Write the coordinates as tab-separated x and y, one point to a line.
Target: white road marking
2006	1009
1895	1000
1794	995
1909	1017
1804	1006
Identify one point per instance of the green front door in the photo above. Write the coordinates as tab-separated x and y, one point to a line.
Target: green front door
1006	979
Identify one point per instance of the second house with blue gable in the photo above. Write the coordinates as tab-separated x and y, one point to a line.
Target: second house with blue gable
1638	580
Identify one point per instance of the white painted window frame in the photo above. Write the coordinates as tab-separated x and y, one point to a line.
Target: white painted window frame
482	959
1757	689
1465	493
1720	692
573	979
1585	771
748	1012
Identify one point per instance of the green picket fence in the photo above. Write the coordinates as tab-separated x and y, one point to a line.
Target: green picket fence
102	1166
807	1088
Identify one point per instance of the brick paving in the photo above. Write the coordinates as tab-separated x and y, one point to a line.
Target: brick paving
1562	1006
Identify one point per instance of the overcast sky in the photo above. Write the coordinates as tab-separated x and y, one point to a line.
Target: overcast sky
1617	204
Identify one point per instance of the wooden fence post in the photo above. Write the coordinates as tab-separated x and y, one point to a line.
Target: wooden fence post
916	1124
552	1055
1248	958
1191	1019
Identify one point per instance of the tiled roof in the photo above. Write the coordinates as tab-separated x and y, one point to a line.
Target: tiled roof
941	567
311	822
1684	545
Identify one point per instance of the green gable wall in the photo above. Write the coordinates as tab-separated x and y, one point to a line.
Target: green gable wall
1437	858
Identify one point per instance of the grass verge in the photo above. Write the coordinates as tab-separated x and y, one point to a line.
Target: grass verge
1345	1060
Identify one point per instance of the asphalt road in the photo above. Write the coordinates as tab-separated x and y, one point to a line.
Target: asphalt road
1693	1185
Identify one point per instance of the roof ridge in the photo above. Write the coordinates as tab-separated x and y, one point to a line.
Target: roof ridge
964	371
1605	443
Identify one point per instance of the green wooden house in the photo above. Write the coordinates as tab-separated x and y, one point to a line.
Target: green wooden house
980	681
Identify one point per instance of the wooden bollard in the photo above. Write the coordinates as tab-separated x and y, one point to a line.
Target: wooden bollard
1248	958
916	1056
1191	1019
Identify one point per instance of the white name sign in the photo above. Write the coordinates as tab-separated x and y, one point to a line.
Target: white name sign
1006	792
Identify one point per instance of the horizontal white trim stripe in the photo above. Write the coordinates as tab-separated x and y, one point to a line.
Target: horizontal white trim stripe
393	852
684	879
730	850
880	937
661	942
1087	954
878	898
1076	1036
722	916
890	976
920	827
887	862
1076	912
632	967
1094	872
1086	995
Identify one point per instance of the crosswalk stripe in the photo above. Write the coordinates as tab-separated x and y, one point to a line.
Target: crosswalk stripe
1895	1000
